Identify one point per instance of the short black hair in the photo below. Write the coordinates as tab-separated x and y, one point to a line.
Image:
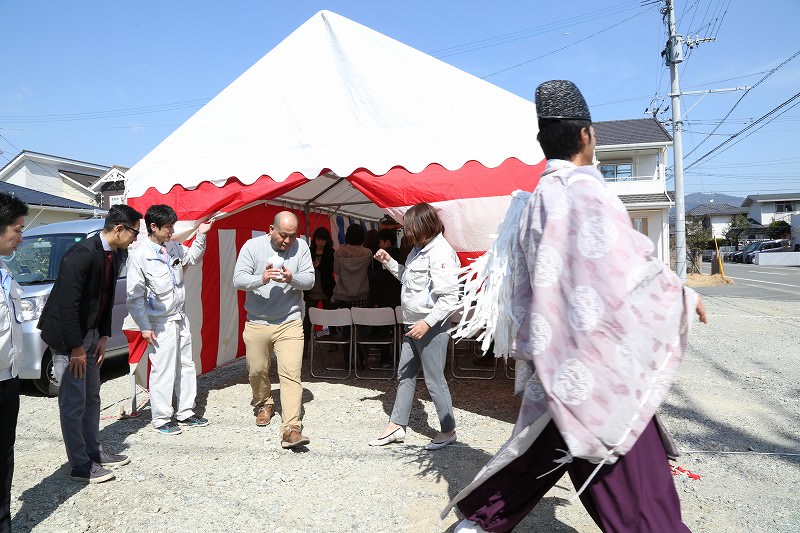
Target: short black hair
388	235
11	208
354	234
561	139
161	215
121	214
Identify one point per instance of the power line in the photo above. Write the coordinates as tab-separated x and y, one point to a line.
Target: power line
95	115
746	92
566	46
746	128
488	42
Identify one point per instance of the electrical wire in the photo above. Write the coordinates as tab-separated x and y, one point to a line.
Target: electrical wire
566	46
559	25
746	92
745	129
95	115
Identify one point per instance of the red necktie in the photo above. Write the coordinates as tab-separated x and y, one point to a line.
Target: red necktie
105	289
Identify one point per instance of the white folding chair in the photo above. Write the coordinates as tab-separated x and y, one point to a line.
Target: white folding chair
375	316
472	371
328	318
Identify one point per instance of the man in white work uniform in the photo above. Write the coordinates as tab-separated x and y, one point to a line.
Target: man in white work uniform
156	298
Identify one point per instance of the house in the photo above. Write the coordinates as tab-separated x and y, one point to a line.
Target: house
86	183
46	208
715	217
632	156
768	208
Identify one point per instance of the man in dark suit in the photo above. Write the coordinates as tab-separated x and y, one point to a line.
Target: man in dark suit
75	324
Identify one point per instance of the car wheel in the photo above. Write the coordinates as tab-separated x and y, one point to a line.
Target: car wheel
47	384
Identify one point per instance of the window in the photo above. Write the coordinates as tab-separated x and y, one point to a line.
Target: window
117	199
38	259
784	207
622	171
640	224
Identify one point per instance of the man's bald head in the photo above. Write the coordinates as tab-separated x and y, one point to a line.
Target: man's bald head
284	219
283	231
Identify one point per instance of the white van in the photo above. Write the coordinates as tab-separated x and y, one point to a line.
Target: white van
35	267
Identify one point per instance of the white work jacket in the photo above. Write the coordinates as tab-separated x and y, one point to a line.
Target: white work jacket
10	328
155	290
430	282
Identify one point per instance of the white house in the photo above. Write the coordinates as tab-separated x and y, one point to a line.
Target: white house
716	217
767	208
632	156
79	181
46	208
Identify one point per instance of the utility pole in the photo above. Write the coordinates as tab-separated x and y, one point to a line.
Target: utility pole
673	55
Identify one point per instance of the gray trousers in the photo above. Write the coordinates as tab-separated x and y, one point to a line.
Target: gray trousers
429	352
79	404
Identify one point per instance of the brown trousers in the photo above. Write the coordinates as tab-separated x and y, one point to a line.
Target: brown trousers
286	341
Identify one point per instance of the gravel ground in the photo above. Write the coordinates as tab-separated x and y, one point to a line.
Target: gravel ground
735	411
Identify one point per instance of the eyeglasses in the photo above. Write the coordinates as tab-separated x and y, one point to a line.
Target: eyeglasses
134	231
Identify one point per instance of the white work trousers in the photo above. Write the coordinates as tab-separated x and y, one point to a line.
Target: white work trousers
172	372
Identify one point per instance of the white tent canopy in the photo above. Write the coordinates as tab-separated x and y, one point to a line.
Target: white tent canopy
339	96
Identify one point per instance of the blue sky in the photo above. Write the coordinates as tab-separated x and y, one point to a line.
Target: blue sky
105	82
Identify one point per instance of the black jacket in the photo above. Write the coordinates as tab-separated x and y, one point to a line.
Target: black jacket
384	288
325	268
74	301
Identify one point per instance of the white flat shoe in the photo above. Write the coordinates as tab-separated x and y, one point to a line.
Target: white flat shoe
398	435
468	526
439	445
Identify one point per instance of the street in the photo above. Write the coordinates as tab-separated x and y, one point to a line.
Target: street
754	281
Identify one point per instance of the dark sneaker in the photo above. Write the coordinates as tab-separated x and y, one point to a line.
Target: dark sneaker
106	459
194	420
170	428
94	473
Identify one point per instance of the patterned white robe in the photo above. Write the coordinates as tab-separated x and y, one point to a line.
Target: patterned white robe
601	323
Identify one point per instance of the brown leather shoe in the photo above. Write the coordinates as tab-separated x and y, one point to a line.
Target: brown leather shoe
264	414
292	438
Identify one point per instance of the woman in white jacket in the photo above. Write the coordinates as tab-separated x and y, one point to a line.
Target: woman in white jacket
429	294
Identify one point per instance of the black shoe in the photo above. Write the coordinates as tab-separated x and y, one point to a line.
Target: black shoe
106	459
194	420
92	473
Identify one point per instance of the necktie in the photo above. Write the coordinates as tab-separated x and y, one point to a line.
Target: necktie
106	288
108	268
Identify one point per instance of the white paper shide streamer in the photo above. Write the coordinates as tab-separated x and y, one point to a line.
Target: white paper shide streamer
488	287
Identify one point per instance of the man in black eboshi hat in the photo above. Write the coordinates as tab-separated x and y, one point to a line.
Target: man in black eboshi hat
602	328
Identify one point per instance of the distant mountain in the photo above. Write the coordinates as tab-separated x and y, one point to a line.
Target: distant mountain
698	198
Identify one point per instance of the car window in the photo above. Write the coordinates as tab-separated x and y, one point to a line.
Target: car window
38	259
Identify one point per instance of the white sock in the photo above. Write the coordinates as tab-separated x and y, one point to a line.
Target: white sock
468	526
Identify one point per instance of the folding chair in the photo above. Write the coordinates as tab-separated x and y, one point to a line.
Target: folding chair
327	318
375	316
511	372
473	372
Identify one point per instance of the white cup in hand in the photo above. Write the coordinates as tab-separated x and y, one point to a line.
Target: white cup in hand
277	262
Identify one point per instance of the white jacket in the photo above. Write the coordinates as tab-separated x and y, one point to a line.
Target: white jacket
10	329
430	282
155	290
